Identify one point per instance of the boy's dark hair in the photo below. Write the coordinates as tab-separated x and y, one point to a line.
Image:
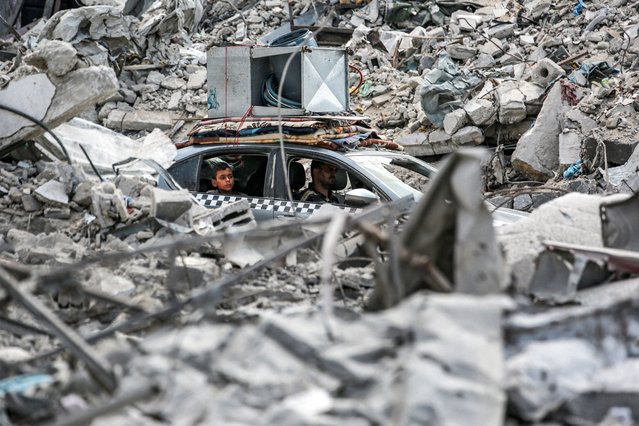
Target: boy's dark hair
316	164
218	166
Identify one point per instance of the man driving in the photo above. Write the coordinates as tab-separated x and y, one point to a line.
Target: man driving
322	182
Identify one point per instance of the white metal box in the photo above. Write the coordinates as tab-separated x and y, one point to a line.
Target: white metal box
317	79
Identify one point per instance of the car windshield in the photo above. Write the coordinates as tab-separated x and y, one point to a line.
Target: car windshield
403	175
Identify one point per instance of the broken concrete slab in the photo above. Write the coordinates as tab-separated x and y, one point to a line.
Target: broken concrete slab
14	96
468	135
569	148
170	205
537	153
52	192
74	93
544	375
522	241
197	79
615	386
140	120
480	112
54	56
106	147
454	121
512	106
461	52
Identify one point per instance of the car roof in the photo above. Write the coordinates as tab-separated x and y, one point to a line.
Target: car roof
191	150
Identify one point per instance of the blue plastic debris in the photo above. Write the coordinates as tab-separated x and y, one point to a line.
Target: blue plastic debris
578	8
574	170
24	382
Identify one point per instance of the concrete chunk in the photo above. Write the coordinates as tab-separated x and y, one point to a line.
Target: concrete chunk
173	83
197	79
52	192
18	95
569	148
501	31
512	108
454	121
546	374
480	111
169	205
461	52
468	135
74	93
537	153
139	120
615	386
545	72
55	56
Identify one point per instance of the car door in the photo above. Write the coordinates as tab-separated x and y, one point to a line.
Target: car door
300	159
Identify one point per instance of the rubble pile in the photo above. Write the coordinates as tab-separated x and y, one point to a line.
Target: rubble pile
123	303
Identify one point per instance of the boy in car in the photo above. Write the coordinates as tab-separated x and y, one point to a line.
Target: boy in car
222	180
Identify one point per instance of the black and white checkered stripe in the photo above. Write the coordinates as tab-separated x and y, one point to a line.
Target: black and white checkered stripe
279	206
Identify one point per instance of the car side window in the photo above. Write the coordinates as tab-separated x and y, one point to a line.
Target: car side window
344	180
184	173
249	171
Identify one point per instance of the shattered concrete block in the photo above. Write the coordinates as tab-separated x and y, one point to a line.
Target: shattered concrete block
537	153
439	143
615	386
533	95
52	192
501	31
522	202
48	247
108	204
174	102
619	150
74	93
468	135
512	108
492	47
522	241
526	39
17	95
544	375
197	79
139	120
30	203
169	205
155	78
461	52
569	148
466	21
382	99
454	121
173	83
113	285
574	118
82	195
53	56
193	272
480	111
413	139
545	72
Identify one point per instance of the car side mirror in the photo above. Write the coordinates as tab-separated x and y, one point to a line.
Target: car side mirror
360	197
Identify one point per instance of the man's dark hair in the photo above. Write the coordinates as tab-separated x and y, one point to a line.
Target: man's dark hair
316	164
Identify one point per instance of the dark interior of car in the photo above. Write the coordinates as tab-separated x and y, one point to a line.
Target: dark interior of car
248	170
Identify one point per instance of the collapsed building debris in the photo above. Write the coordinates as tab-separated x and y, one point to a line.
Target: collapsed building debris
243	324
